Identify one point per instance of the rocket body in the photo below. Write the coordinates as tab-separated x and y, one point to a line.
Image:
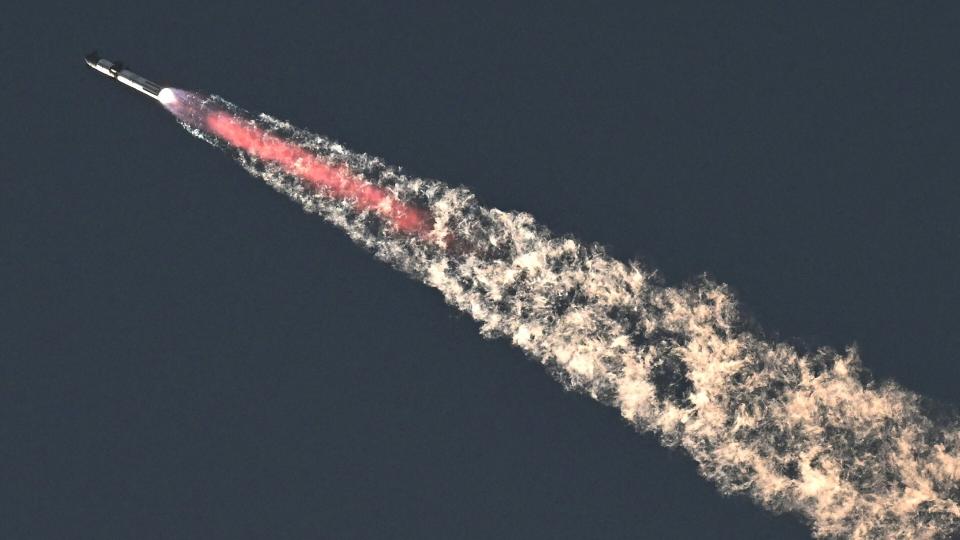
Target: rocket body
116	70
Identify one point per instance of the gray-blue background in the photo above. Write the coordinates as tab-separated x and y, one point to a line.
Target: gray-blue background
185	354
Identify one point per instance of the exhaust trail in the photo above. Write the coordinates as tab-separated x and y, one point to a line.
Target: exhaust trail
806	433
335	180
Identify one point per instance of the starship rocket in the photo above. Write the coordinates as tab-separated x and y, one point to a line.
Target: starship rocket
118	72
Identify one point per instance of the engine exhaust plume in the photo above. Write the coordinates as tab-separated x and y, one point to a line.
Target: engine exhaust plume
802	433
335	180
799	433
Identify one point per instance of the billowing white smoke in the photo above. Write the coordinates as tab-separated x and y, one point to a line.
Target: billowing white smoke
804	433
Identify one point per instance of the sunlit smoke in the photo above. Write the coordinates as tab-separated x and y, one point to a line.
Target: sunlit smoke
807	433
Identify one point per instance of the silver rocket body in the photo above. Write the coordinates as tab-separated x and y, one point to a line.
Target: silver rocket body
116	70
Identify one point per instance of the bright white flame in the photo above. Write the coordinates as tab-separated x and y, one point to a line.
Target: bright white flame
167	96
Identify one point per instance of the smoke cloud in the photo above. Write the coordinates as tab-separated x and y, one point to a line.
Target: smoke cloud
807	433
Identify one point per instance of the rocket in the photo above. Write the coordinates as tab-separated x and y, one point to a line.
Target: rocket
117	71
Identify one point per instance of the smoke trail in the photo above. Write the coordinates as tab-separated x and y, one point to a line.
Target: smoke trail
804	433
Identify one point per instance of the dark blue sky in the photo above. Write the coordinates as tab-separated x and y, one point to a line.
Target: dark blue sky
184	353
